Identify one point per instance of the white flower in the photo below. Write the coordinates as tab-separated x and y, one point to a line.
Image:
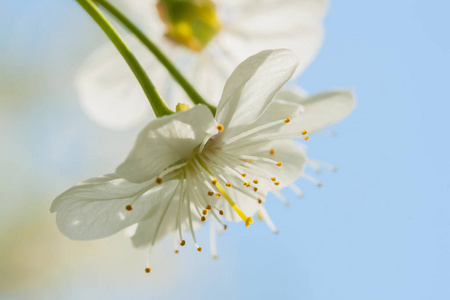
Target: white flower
190	166
206	54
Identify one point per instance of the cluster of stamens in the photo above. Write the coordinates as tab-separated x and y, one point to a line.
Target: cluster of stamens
212	171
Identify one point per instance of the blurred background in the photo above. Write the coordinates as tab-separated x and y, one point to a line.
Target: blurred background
377	229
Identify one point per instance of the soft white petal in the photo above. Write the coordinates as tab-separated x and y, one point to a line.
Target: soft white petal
320	110
96	208
267	24
252	86
165	141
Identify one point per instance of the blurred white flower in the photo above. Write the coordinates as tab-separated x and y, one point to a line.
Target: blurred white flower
205	40
191	165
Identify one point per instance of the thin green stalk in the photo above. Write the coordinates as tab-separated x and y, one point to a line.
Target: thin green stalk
160	108
187	87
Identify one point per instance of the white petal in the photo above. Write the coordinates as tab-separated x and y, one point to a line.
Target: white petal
165	141
158	225
96	208
268	24
252	86
320	110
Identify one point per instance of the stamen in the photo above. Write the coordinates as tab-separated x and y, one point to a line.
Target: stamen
244	174
255	181
204	212
176	251
279	164
296	190
259	200
228	184
147	270
225	227
218	194
212	240
274	179
214	181
158	180
306	138
255	189
203	219
287	120
262	213
210	193
128	207
199	249
208	206
183	242
272	151
277	183
304	132
220	127
221	212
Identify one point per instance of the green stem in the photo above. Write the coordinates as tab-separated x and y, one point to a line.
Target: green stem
160	108
187	87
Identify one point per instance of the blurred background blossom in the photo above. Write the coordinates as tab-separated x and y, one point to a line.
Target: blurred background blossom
378	229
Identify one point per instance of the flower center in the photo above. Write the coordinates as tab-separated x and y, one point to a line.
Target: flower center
188	22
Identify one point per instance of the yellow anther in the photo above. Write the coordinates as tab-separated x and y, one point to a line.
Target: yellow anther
208	206
225	227
214	181
228	184
243	174
272	151
205	211
274	179
203	219
128	207
199	249
287	120
248	184
210	193
259	200
182	107
304	132
147	270
306	138
183	242
248	221
277	183
319	184
158	180
221	212
176	251
255	189
255	181
220	127
218	195
279	164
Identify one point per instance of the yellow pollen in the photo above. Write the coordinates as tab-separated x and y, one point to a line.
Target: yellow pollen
208	206
287	120
243	174
221	212
277	183
204	212
255	189
199	249
279	164
306	138
228	184
176	251
304	132
147	270
203	219
272	151
183	242
218	195
128	207
158	180
255	181
259	200
274	179
219	127
225	227
214	181
210	193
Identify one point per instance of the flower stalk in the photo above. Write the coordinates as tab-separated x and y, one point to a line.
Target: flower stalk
182	81
160	108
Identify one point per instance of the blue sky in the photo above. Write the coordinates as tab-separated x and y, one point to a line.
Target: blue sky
379	227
